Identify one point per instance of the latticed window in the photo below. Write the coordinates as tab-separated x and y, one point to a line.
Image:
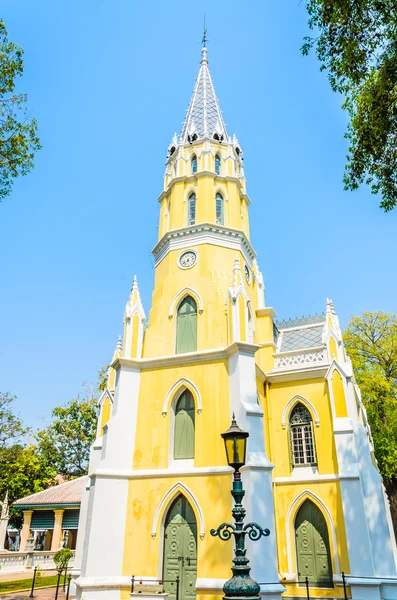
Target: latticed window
194	163
191	211
303	451
217	164
219	209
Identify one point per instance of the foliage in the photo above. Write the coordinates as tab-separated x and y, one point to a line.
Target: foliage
66	442
62	558
11	427
23	472
357	45
18	130
371	342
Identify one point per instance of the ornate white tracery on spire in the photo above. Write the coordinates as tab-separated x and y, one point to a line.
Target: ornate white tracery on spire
204	117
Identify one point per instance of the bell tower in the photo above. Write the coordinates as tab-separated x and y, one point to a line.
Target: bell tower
158	464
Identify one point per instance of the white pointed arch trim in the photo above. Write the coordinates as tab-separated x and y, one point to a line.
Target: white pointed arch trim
221	190
187	291
178	488
290	530
186	384
294	400
105	394
190	190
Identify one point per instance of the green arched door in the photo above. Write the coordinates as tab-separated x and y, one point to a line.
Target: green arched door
180	550
186	326
312	545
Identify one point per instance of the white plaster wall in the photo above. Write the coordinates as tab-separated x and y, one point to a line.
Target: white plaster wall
107	528
120	434
358	541
376	510
257	475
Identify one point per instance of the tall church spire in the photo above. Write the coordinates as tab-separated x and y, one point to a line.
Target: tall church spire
204	117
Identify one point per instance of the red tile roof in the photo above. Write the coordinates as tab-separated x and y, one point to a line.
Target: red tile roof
65	493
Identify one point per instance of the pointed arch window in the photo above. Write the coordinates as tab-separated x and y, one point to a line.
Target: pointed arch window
184	427
312	545
219	204
186	326
191	209
217	164
250	325
303	451
193	163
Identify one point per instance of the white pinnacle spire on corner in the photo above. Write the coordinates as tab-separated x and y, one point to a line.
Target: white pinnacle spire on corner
204	117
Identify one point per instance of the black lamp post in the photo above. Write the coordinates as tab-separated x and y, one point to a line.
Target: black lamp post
241	585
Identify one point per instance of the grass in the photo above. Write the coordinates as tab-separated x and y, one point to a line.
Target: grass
20	585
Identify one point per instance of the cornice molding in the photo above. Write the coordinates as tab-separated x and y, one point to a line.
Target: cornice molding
204	233
297	374
261	312
189	357
199	175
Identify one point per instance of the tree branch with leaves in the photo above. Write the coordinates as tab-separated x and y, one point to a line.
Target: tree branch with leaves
357	45
18	129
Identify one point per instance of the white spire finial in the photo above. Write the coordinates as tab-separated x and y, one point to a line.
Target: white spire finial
330	306
119	346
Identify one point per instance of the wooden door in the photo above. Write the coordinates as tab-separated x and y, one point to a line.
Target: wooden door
186	327
312	545
180	550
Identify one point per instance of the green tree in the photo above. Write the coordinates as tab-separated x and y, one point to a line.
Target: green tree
12	429
22	470
66	442
18	129
356	43
371	342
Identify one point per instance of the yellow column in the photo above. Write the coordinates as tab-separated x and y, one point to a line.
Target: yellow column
27	518
57	533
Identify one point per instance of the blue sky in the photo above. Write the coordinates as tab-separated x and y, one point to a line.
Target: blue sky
109	83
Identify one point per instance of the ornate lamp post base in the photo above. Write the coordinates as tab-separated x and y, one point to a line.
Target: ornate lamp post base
241	585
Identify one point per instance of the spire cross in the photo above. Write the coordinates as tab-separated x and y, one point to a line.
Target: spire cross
204	40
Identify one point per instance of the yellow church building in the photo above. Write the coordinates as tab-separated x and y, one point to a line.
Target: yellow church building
158	478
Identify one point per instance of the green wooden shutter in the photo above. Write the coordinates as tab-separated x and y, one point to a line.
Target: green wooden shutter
186	326
71	519
42	519
184	427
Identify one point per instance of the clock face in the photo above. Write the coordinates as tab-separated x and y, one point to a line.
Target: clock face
247	273
188	259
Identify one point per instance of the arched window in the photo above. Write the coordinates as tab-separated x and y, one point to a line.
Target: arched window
217	164
250	325
193	162
186	326
220	219
191	209
184	427
303	450
313	555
